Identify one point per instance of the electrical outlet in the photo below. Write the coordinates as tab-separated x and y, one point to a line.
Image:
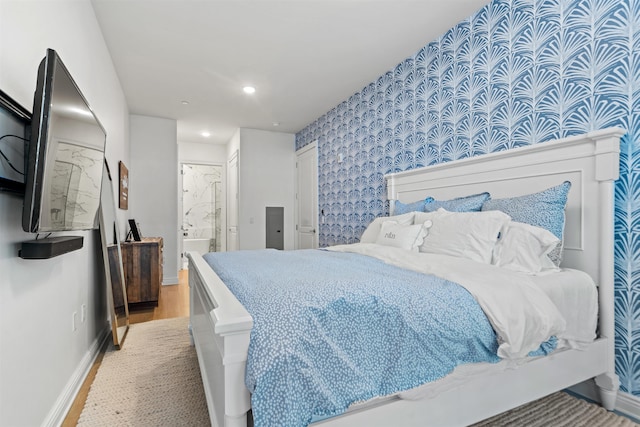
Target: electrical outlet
83	313
74	320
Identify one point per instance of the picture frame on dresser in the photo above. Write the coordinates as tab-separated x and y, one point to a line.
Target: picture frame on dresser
134	231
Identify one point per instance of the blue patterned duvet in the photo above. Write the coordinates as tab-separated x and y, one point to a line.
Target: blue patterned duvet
332	328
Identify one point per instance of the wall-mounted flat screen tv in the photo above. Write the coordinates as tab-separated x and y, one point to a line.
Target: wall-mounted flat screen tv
65	156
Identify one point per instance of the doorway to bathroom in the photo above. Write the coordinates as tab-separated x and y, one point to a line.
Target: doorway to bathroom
202	202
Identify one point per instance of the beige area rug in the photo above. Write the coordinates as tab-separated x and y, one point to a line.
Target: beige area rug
558	410
155	381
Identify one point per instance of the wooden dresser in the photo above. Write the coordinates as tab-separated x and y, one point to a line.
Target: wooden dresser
142	263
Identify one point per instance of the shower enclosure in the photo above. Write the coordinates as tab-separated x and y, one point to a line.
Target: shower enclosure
201	208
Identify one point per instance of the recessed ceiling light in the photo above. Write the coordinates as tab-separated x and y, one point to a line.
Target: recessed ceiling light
249	89
185	102
205	134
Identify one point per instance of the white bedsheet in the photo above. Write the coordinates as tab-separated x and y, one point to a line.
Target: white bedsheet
520	312
574	294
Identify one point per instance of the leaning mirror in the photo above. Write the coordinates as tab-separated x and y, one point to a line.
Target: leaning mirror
112	255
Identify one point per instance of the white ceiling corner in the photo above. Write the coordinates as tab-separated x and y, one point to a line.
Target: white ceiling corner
303	56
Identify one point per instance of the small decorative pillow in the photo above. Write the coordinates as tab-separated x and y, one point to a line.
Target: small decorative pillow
370	234
471	235
471	203
523	247
543	209
407	237
418	206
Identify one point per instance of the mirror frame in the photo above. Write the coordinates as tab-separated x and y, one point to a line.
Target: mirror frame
108	210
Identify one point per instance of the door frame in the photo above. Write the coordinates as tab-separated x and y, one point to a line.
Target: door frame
223	201
235	156
312	146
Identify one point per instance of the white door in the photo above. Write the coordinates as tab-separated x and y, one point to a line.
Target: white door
232	198
307	197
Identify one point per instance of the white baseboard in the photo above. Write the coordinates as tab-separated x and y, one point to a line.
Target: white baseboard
626	404
58	412
170	281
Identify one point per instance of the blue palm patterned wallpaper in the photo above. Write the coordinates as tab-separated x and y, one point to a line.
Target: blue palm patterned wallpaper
517	72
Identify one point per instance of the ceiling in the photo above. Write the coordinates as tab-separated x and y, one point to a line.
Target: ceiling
303	57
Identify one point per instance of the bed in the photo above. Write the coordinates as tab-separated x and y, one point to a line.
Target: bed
221	326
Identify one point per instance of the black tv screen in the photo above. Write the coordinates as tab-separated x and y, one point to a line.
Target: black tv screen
65	157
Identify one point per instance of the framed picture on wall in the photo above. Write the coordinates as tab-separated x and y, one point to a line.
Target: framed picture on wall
123	199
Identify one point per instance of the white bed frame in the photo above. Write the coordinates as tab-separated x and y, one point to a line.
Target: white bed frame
221	326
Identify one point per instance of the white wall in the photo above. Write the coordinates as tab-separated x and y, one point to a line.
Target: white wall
41	359
267	178
193	152
234	144
153	183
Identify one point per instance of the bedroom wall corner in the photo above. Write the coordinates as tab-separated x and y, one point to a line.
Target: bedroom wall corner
267	172
153	184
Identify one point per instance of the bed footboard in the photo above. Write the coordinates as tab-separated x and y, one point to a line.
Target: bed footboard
220	328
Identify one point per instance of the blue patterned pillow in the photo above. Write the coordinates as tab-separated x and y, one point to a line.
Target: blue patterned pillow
544	209
400	208
471	203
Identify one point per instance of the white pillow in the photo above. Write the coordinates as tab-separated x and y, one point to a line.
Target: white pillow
407	237
370	234
523	247
470	235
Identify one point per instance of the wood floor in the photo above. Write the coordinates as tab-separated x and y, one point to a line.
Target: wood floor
172	302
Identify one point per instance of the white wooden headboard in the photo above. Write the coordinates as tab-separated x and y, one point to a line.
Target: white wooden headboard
589	161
